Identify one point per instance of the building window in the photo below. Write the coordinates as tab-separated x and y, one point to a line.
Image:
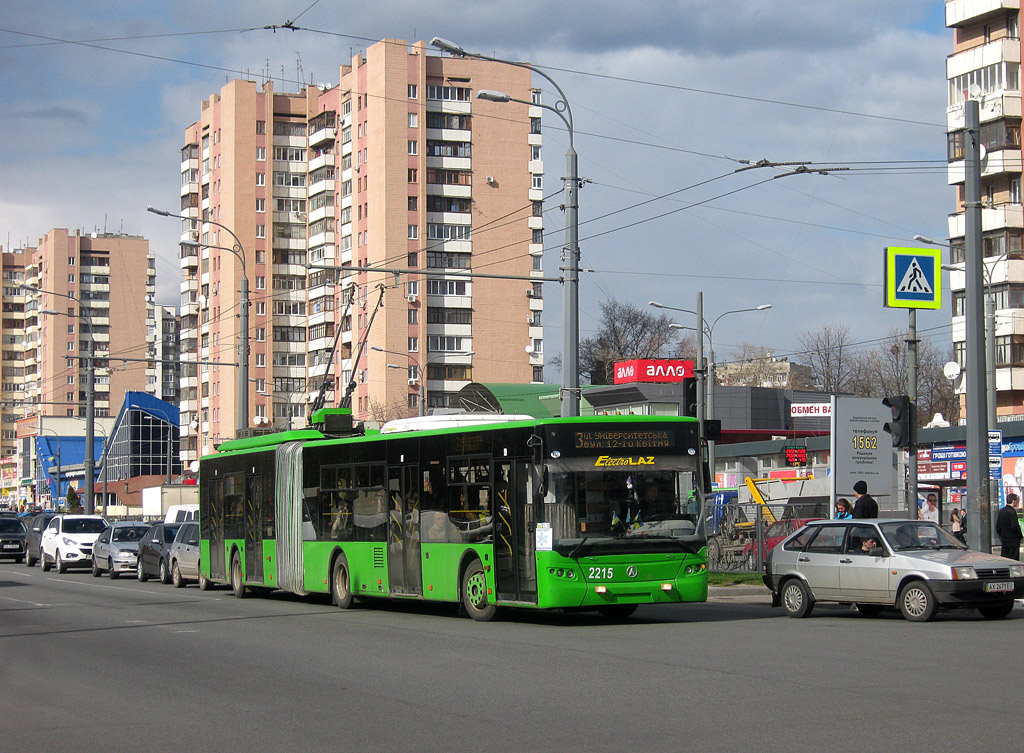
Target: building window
414	344
1015	190
412	91
534	125
261	232
261	282
538	236
535	152
261	359
261	309
413	147
261	154
261	179
414	316
71	278
414	232
261	334
414	120
261	205
538	373
412	287
261	126
538	181
412	174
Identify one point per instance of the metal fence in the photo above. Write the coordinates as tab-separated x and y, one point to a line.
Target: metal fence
740	536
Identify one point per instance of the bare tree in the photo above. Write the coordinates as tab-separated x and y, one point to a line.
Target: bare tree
626	332
834	364
384	412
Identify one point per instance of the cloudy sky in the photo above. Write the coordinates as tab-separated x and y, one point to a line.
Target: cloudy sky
667	96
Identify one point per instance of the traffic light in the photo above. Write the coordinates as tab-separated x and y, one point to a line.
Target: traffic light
904	420
689	396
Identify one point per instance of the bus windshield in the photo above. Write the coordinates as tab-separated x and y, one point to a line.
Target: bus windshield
604	510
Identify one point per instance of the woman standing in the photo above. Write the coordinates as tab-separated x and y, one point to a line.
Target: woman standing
956	522
843	509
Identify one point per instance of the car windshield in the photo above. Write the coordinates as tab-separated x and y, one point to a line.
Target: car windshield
11	525
911	535
129	533
84	525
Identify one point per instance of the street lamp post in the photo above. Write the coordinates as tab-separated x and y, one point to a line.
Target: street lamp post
242	398
421	370
712	378
570	390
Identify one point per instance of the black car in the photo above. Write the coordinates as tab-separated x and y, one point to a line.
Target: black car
153	549
12	538
32	539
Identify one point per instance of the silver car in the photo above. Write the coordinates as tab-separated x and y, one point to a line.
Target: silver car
913	565
184	557
117	549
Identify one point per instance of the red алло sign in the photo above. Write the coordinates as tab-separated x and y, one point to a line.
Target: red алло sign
649	370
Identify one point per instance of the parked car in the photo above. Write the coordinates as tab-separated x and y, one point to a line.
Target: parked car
67	541
12	538
33	538
153	550
909	564
184	557
773	536
116	550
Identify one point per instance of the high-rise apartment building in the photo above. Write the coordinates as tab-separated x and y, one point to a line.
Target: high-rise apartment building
398	167
985	65
162	382
92	296
13	366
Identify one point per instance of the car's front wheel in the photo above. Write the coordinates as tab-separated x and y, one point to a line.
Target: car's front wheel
796	598
140	573
43	562
95	570
59	563
917	602
164	574
205	584
29	559
114	575
996	611
176	578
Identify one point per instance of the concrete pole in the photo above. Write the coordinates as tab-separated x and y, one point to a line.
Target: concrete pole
978	505
90	427
570	399
912	394
242	405
990	347
712	380
699	371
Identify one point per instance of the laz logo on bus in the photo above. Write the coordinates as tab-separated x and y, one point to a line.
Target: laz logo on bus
606	461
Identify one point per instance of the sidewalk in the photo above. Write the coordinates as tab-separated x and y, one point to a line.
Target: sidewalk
735	593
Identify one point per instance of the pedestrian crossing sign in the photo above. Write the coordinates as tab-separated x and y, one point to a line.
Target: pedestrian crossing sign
913	278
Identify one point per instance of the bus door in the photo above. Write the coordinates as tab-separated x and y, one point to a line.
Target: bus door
404	572
253	529
212	521
515	564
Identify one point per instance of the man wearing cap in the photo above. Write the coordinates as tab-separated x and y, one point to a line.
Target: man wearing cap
865	506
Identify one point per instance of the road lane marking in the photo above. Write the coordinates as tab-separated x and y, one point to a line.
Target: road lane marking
33	603
124	590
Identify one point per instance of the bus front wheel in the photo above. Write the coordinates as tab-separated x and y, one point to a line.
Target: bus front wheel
341	586
237	584
474	593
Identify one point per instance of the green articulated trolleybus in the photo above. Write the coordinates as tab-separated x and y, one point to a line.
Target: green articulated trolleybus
599	513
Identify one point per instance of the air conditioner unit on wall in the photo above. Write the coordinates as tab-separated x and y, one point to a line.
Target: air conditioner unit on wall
413	382
412	298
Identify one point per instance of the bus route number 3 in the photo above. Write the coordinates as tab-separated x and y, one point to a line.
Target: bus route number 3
865	442
600	573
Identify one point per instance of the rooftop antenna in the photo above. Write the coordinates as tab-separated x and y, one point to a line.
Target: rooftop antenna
298	67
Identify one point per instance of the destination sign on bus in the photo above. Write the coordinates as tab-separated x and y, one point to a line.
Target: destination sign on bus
610	439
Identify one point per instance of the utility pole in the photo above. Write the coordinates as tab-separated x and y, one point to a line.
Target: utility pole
979	512
912	342
699	371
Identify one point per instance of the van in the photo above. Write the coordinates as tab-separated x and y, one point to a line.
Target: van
181	513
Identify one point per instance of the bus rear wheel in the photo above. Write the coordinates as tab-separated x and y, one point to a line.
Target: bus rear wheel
474	593
237	584
341	584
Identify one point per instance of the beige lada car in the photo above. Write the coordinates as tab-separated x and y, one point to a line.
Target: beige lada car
912	565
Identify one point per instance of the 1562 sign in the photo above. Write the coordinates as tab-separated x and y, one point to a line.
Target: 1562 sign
865	442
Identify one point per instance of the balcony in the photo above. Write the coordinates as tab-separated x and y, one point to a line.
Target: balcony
993	107
1004	50
994	218
321	160
964	12
326	133
457	192
995	163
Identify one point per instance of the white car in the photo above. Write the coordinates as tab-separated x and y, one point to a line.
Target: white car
67	541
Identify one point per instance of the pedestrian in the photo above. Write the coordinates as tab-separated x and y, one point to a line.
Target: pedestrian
865	506
957	526
1008	529
843	509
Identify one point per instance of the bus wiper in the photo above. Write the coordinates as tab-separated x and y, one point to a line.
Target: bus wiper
576	549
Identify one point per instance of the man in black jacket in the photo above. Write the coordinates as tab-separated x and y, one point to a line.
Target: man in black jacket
865	506
1008	529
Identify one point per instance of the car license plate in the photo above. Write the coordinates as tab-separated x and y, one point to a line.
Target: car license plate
11	546
998	587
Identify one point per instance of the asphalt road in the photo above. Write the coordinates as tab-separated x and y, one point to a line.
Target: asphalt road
95	664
